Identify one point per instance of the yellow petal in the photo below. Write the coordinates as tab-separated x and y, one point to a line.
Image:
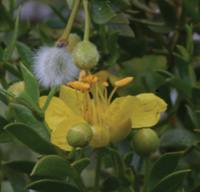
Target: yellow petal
148	113
72	98
118	117
59	118
143	110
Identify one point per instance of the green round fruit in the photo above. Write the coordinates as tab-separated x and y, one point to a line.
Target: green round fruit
85	55
73	40
79	135
146	141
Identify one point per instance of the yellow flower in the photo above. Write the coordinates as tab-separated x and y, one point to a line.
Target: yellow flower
110	119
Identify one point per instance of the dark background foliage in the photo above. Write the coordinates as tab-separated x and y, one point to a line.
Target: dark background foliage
156	41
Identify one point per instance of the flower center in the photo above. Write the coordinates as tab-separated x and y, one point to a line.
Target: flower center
96	97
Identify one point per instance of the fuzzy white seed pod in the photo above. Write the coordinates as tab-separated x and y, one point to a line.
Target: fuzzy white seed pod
54	66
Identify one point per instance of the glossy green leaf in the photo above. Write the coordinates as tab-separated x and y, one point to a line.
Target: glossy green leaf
46	168
25	115
29	137
25	53
172	182
162	167
47	185
177	82
25	99
52	166
17	180
11	46
3	122
31	85
81	164
178	139
144	69
102	11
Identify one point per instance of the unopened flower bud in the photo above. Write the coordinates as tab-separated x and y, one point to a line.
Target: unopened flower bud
17	88
85	55
146	141
101	136
79	135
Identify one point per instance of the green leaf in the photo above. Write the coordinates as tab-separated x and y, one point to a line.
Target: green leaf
21	166
102	11
47	185
52	166
25	99
81	164
31	85
146	64
3	122
25	53
120	25
11	46
144	68
178	139
17	180
3	96
193	116
29	137
162	167
178	83
196	189
5	18
190	9
46	168
172	182
25	115
5	137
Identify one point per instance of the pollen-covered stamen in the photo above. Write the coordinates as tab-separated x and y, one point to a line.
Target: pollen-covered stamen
123	82
120	83
90	79
81	86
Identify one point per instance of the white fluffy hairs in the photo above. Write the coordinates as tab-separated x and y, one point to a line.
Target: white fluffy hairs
54	66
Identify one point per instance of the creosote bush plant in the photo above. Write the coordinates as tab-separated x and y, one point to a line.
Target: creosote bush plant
99	95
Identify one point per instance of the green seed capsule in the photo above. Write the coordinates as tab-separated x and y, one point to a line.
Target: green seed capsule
73	40
85	55
146	141
79	135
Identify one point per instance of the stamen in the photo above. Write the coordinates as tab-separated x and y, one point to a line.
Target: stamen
123	82
90	79
79	85
112	94
105	84
82	75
